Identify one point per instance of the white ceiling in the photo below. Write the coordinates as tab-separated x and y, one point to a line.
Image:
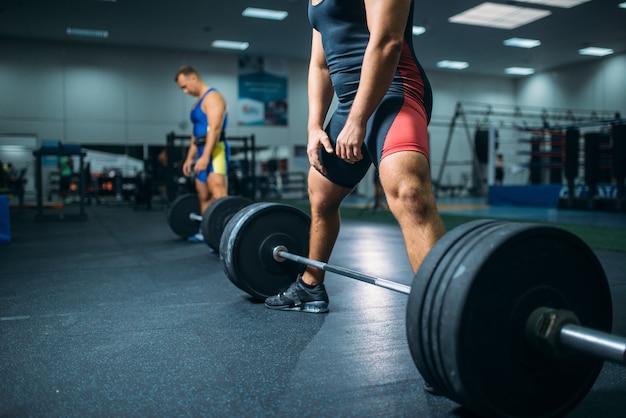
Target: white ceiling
194	24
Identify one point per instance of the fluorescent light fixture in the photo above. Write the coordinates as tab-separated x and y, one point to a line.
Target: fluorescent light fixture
241	46
453	65
87	32
500	16
418	30
622	5
264	13
595	51
519	71
522	42
556	3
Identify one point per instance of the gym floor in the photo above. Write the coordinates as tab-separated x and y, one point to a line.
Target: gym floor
116	316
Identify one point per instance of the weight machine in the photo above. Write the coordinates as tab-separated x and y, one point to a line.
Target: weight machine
498	128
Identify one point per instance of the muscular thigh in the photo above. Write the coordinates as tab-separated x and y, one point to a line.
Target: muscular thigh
398	124
218	163
219	159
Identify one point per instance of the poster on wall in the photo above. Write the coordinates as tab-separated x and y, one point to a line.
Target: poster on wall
262	91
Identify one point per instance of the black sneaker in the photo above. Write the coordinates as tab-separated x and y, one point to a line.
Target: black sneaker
299	297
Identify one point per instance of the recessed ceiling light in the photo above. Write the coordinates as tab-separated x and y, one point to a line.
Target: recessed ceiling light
595	51
264	13
453	65
519	71
87	32
241	46
501	16
556	3
418	30
522	42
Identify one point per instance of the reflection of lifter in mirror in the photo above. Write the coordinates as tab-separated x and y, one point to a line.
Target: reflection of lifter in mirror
208	142
499	169
66	169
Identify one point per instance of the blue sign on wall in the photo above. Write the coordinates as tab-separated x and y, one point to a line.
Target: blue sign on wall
262	93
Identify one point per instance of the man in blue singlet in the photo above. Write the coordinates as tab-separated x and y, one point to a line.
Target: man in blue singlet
208	145
362	52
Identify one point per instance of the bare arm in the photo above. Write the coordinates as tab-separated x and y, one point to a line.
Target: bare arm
386	20
191	154
320	92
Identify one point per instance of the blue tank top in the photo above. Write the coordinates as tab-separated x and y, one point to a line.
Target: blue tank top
201	122
343	27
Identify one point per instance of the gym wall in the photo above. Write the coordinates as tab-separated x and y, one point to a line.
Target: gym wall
82	93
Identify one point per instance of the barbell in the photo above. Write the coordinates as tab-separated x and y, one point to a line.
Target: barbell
184	219
507	319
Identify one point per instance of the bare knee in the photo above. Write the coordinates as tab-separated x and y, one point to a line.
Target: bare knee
410	198
408	188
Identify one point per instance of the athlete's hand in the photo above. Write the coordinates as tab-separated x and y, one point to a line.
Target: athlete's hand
201	165
318	139
349	142
187	168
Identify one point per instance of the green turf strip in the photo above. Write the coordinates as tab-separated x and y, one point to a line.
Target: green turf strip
597	237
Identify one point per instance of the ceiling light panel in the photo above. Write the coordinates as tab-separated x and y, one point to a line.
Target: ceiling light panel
92	33
265	13
622	5
595	51
241	46
418	30
501	16
522	42
556	3
519	71
453	65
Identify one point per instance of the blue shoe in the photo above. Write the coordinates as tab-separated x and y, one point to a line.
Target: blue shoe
196	238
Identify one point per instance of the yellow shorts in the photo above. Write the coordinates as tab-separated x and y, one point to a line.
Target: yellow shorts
218	163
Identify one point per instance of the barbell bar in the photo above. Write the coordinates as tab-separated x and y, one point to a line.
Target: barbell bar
185	221
281	254
589	341
593	342
496	310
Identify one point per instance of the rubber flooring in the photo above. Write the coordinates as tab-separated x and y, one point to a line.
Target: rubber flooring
116	316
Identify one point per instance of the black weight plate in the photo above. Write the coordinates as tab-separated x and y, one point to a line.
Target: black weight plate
217	215
443	278
249	239
489	364
419	303
178	215
225	253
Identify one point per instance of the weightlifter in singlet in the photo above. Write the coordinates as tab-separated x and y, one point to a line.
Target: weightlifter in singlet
362	51
208	145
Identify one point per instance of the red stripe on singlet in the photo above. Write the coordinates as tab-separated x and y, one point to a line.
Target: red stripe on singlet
409	130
